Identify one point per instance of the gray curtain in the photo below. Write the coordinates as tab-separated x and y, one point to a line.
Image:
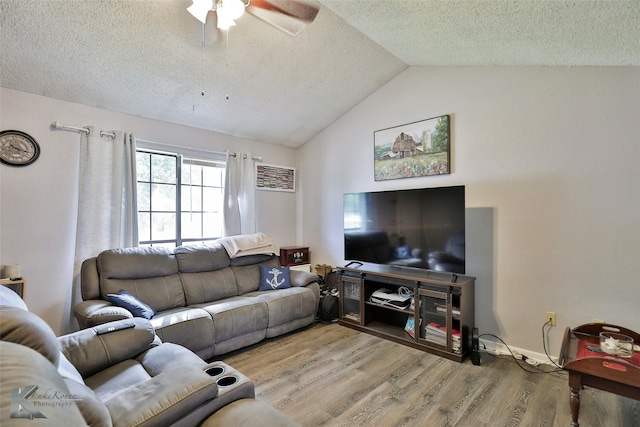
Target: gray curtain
107	199
239	195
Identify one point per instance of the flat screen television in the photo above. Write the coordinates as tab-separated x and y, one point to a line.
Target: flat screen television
420	228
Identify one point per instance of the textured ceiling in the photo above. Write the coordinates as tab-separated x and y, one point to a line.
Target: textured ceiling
500	32
146	58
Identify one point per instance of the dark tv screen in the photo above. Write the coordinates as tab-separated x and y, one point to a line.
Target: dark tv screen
420	228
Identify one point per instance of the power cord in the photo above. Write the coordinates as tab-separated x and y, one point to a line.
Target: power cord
513	355
545	343
405	292
525	359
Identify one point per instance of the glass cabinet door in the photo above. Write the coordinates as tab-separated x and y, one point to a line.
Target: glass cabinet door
351	299
435	315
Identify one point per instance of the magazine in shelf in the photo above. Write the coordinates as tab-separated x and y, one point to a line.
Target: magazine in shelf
437	333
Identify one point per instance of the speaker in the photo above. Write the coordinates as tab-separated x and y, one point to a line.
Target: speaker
475	347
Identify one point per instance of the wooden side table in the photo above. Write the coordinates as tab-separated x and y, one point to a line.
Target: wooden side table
19	286
589	367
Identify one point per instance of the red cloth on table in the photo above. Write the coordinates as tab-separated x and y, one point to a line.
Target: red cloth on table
583	352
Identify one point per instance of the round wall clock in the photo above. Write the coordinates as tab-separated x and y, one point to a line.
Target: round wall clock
18	148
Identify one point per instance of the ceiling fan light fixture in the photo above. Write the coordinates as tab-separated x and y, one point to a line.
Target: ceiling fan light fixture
228	11
200	8
235	8
224	20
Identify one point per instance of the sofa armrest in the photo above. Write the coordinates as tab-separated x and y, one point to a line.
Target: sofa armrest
96	312
302	278
24	368
163	399
169	356
443	257
90	351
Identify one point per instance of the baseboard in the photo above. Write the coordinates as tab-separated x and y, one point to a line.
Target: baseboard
498	349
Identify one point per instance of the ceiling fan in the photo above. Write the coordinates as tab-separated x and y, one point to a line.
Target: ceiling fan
290	16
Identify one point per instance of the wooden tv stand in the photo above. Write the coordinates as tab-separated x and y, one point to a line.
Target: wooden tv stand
442	307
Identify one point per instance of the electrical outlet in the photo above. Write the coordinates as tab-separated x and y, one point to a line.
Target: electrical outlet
551	318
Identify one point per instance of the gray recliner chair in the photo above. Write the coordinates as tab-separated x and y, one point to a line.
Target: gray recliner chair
452	259
118	374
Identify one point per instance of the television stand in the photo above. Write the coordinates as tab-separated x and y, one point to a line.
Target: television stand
352	263
440	319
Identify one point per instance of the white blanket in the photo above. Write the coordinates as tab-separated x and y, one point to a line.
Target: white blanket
249	244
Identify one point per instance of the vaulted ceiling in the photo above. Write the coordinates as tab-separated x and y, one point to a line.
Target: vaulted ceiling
147	58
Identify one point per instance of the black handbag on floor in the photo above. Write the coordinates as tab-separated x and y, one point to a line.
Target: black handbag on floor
328	306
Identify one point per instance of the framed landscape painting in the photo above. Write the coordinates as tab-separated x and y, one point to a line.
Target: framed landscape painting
415	149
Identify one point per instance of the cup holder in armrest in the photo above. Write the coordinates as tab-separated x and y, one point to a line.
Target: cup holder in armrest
223	381
227	381
214	371
232	385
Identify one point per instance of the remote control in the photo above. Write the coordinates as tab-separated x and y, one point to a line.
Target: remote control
111	327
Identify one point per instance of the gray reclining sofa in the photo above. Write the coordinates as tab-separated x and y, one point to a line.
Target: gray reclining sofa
117	374
203	299
104	376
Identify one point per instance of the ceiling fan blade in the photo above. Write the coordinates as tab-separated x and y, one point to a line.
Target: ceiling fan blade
289	16
296	9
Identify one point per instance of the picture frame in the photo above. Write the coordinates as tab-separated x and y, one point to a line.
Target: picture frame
421	148
275	178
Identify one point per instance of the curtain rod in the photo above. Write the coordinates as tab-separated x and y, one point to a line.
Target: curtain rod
60	126
232	154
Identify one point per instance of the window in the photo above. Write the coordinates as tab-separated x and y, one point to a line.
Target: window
180	199
354	212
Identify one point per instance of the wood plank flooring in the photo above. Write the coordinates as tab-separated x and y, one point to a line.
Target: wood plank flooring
330	375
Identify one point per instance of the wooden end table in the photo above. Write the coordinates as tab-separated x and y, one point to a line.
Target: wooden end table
17	285
589	367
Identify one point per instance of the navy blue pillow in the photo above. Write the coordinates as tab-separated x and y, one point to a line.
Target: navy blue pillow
403	252
126	300
272	278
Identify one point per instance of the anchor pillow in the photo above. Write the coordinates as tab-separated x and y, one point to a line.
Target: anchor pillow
272	278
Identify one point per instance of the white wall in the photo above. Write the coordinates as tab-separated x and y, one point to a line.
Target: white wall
549	157
550	160
38	203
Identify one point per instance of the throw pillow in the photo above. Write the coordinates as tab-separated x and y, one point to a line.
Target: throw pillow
272	278
403	252
126	300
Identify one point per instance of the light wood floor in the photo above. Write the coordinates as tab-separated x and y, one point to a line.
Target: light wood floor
330	375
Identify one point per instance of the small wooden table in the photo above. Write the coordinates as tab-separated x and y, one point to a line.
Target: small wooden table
18	285
592	368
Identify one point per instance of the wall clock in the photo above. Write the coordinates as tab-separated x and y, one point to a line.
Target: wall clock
18	148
